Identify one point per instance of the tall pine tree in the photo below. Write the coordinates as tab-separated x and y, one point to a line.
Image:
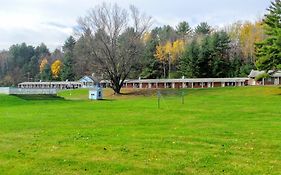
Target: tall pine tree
188	65
67	72
269	51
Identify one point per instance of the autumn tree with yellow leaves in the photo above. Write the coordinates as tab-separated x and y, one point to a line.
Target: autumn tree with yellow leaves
43	64
146	37
45	70
250	34
169	53
56	69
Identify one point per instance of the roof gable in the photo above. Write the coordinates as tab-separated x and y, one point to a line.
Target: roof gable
87	79
255	73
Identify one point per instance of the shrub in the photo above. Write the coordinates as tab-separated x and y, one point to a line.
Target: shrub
261	76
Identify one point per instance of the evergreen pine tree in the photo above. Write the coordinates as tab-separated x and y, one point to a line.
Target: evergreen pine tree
188	65
204	59
151	65
203	29
219	62
67	72
269	50
46	74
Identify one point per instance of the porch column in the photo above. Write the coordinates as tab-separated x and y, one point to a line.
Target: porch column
263	81
149	85
192	85
173	85
156	85
202	85
276	81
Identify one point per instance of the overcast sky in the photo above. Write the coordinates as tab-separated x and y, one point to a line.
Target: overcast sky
52	21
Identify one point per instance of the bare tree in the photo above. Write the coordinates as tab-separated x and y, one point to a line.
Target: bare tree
116	40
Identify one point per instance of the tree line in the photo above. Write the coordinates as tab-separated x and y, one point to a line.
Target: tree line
117	44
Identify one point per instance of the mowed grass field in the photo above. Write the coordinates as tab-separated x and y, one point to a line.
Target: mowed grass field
216	131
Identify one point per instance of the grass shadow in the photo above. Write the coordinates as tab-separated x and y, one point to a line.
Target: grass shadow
279	87
105	100
39	97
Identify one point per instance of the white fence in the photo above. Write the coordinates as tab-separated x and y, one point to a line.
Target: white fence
15	91
4	90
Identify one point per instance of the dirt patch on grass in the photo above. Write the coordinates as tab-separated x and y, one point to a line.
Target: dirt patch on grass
130	93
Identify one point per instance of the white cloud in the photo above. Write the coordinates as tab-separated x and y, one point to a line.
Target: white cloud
51	21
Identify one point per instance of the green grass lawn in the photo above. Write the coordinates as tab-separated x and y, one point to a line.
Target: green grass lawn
216	131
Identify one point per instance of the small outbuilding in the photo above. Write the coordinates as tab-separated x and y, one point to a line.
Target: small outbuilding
95	93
